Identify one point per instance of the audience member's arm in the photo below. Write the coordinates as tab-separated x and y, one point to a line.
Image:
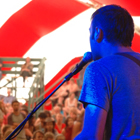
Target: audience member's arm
78	125
76	129
37	122
2	107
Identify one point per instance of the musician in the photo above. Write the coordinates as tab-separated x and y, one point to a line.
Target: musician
111	91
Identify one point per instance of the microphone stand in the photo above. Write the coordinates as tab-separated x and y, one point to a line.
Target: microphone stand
11	136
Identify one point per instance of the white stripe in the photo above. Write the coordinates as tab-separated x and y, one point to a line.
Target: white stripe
62	45
9	7
59	47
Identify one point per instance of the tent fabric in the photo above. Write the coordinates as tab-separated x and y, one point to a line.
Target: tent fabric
39	18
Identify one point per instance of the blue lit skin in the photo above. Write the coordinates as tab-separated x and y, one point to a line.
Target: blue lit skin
94	123
95	42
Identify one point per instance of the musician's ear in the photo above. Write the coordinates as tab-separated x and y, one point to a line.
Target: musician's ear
98	35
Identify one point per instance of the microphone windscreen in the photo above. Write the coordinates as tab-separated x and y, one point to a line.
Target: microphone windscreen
87	57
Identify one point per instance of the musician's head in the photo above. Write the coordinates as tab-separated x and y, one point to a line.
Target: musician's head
112	24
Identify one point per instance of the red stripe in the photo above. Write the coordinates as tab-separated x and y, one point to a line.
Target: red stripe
37	18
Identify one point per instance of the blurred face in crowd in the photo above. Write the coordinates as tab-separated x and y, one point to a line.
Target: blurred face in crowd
70	122
57	109
73	114
33	120
8	92
49	126
42	122
59	118
15	106
39	136
27	59
72	95
48	114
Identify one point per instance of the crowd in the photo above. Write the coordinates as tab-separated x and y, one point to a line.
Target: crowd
63	122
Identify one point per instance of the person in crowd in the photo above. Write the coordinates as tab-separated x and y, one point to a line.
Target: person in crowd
48	113
73	87
40	125
9	98
50	126
110	92
56	109
38	135
15	118
59	125
61	108
61	100
9	110
31	124
60	94
31	128
7	133
26	70
2	108
49	136
5	128
24	106
60	137
67	131
1	65
24	111
71	101
73	113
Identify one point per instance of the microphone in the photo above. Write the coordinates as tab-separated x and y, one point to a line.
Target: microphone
86	59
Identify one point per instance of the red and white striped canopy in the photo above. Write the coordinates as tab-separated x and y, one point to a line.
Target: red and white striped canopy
55	29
